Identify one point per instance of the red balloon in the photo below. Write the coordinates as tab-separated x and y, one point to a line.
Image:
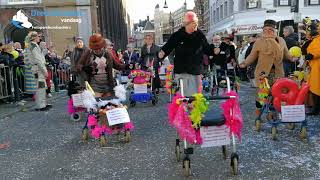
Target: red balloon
277	104
287	97
302	94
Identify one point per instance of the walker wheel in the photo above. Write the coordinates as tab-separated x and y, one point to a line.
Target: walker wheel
269	116
132	103
274	133
127	137
291	126
224	152
103	141
85	134
178	153
258	125
234	165
186	167
75	117
303	133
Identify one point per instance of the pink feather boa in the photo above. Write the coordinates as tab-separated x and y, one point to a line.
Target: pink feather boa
234	121
71	109
92	121
97	130
179	119
183	125
172	109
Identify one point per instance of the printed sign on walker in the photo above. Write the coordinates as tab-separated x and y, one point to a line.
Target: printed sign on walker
77	100
215	136
293	113
140	88
117	116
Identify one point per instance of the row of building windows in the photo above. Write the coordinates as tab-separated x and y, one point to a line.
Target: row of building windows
219	12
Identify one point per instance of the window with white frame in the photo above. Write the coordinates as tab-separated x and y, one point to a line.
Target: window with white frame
284	2
218	14
23	1
214	18
225	9
314	2
231	7
252	4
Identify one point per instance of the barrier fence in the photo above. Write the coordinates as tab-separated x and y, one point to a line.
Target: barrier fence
13	80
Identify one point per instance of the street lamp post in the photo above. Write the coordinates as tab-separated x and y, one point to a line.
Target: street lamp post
165	4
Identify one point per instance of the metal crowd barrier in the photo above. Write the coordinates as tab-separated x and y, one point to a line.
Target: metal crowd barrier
61	75
6	82
12	80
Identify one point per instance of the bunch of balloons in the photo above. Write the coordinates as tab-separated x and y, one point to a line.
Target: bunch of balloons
288	92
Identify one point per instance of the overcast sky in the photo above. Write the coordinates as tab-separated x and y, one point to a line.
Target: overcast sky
140	9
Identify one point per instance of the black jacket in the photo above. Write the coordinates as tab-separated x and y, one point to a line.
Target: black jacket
221	59
292	40
189	50
152	54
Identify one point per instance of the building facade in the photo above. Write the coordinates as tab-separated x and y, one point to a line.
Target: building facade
112	21
247	16
206	15
59	22
141	29
199	10
161	24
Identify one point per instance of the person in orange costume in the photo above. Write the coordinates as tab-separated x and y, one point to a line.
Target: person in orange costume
312	51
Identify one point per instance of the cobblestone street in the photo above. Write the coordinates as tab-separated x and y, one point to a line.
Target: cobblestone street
48	146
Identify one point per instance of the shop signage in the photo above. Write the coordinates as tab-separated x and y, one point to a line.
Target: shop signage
248	29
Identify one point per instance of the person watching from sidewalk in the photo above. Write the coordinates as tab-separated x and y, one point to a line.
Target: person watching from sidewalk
292	39
269	52
130	57
220	55
311	50
189	44
77	52
149	60
251	68
39	70
98	64
240	53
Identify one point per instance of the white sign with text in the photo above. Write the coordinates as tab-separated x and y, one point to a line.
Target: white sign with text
140	88
293	113
215	136
77	100
117	116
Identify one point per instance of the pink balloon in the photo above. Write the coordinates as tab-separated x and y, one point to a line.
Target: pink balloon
302	94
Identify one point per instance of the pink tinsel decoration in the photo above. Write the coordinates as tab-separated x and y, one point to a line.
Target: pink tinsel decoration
96	132
198	137
129	126
234	121
183	125
107	130
71	110
92	121
172	108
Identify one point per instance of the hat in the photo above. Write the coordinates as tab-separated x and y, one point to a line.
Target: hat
78	38
270	23
96	41
189	17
